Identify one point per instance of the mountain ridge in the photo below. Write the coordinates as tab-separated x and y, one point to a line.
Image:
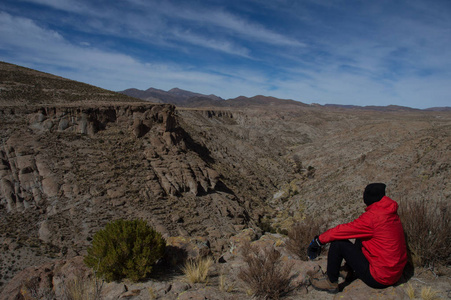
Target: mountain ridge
186	98
174	96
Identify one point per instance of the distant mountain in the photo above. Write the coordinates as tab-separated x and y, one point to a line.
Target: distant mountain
386	108
444	108
174	96
372	107
187	94
190	99
262	101
256	101
344	106
185	98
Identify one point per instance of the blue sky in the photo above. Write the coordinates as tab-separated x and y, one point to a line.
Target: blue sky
344	52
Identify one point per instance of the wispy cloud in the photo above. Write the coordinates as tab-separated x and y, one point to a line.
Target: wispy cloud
147	20
115	71
235	25
64	5
384	52
223	45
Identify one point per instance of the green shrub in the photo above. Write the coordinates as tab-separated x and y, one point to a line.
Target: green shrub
125	249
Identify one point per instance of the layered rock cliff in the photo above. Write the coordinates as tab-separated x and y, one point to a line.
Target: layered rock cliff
65	171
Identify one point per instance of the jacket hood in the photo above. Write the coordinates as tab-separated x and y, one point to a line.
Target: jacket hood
386	205
373	192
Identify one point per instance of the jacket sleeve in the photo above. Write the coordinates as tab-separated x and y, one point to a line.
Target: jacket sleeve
360	228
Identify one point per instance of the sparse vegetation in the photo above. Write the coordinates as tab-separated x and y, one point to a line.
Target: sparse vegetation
82	289
32	290
410	291
196	271
427	226
427	293
301	234
265	274
152	295
125	249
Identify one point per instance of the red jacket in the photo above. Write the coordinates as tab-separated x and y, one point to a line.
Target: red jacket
382	236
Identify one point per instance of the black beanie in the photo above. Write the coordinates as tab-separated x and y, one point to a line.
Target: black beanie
373	193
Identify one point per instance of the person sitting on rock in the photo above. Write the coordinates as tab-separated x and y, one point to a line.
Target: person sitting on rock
379	254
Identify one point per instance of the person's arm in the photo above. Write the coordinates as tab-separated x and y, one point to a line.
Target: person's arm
360	228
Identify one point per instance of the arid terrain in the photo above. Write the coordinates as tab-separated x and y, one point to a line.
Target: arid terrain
74	157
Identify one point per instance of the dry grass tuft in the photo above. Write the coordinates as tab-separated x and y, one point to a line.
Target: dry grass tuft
427	226
301	233
428	294
265	274
196	271
410	291
82	289
152	295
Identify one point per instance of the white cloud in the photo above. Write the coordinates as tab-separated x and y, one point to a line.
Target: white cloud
400	61
212	43
65	5
24	33
237	26
110	70
217	18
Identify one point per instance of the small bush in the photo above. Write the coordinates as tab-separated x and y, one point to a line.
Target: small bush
125	249
427	227
301	234
265	274
197	270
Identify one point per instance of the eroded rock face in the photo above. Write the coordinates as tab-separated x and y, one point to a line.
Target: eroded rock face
73	169
28	172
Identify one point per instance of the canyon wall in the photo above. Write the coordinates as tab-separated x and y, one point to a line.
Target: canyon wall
65	171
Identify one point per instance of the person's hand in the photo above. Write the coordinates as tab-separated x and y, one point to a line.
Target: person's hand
314	249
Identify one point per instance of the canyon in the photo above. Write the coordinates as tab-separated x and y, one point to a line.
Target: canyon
74	157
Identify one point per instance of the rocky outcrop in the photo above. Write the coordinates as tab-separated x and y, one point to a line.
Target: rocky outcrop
55	278
46	281
71	169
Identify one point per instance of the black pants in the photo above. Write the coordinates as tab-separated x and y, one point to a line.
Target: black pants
352	253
